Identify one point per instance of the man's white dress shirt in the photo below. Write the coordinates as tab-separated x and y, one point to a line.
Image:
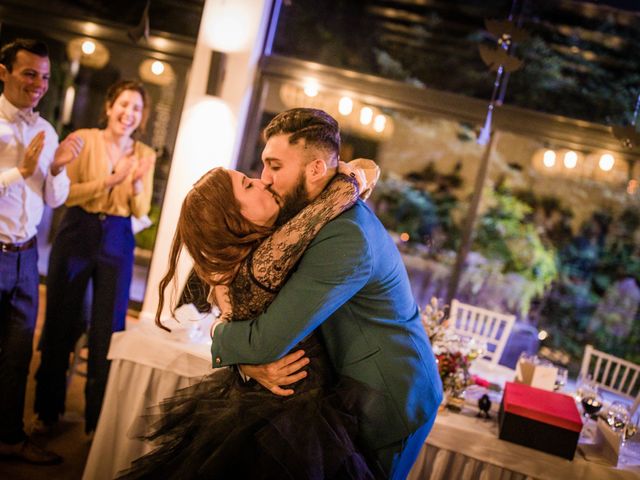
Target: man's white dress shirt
22	200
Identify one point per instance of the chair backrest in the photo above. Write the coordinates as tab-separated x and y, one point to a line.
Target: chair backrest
484	325
611	373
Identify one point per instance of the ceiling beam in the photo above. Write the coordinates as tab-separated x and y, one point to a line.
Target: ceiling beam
551	129
174	45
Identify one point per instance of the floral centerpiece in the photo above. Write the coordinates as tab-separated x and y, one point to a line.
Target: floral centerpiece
454	371
453	353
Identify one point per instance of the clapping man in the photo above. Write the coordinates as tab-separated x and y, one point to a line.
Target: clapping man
32	173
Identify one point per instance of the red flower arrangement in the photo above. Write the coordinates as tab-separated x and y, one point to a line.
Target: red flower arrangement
451	351
454	370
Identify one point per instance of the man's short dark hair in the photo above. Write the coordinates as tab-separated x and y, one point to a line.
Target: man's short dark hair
316	127
9	52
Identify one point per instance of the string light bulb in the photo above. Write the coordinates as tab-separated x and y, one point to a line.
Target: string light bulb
606	162
345	106
366	115
88	47
311	88
379	123
549	158
570	159
157	67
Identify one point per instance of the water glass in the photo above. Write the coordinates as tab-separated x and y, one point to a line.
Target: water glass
617	416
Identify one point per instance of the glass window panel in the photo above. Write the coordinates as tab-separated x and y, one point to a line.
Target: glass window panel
576	61
548	243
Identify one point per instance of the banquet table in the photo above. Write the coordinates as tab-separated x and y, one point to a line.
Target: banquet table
463	446
149	365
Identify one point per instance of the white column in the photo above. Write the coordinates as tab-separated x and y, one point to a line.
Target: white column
210	127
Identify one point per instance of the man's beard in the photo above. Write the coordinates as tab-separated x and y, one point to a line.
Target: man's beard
293	202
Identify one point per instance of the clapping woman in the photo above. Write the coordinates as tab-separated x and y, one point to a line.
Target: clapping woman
111	180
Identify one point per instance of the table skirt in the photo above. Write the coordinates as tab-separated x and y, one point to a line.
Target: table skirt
132	387
435	463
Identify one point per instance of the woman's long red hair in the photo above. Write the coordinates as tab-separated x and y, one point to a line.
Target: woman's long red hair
215	233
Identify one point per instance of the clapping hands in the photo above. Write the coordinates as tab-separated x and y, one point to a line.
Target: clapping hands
144	164
67	151
121	169
31	157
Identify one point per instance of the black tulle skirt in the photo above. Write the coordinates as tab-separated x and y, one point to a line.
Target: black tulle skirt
224	428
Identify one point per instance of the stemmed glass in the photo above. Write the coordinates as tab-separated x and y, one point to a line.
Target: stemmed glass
525	357
631	427
591	400
617	416
190	315
582	382
477	348
561	379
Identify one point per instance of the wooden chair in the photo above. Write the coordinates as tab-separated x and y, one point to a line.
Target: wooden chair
484	325
612	373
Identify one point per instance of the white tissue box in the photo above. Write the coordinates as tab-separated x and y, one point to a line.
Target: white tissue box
534	375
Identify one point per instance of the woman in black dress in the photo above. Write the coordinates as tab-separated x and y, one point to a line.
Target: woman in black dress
224	427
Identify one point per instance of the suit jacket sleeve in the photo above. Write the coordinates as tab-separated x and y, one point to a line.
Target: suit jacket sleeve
336	265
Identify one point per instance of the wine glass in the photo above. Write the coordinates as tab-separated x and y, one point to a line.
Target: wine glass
582	382
477	348
525	357
561	379
190	316
631	427
617	416
591	401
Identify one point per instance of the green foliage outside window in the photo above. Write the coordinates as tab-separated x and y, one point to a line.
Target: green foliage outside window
405	209
570	278
599	276
505	233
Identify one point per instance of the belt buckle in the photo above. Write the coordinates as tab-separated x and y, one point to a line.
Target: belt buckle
102	217
4	248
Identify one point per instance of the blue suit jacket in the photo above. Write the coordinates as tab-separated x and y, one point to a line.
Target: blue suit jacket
352	284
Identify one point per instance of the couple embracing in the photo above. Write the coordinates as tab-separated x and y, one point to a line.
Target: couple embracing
333	375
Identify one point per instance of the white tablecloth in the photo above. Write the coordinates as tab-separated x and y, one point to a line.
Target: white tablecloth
148	366
466	447
462	446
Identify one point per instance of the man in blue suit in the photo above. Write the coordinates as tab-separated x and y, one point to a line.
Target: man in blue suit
352	285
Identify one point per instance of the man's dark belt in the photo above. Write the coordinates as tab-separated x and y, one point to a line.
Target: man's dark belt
17	247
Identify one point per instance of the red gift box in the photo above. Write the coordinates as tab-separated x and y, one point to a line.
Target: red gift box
540	419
